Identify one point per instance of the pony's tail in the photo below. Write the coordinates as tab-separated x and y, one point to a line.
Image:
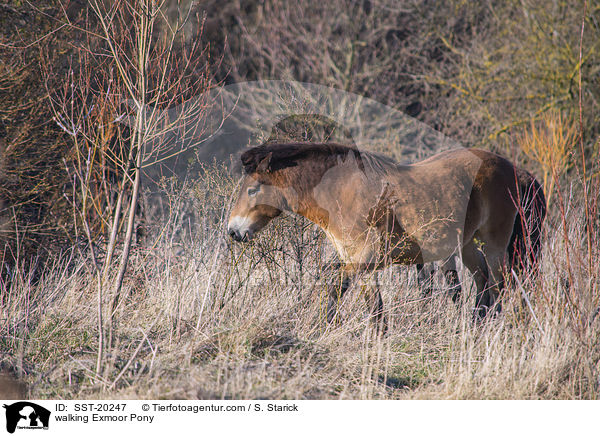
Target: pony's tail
525	244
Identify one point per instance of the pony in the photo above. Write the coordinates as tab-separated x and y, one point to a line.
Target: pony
377	213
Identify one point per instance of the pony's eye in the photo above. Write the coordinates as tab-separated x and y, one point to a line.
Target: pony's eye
252	191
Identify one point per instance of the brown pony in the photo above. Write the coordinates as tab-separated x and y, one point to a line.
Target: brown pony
376	212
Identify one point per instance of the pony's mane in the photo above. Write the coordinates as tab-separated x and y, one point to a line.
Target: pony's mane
283	155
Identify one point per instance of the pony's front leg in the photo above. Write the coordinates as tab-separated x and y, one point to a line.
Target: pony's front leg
336	292
375	303
425	280
451	277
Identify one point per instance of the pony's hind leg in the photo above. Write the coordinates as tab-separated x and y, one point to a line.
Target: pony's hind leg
474	260
495	243
495	262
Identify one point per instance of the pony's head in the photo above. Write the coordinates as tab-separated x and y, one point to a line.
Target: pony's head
259	199
277	178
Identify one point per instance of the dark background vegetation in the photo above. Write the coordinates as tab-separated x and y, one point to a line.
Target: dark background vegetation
477	71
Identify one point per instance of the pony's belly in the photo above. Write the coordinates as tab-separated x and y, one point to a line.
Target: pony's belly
441	245
412	252
436	227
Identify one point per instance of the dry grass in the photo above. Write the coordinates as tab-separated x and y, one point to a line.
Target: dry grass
204	318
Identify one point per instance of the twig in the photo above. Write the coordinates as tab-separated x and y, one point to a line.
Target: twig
526	298
135	353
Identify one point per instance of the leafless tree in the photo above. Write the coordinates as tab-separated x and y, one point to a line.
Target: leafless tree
133	63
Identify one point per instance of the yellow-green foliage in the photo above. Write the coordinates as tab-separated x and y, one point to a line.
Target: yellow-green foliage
550	142
520	60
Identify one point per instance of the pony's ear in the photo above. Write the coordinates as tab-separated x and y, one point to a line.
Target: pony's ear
263	165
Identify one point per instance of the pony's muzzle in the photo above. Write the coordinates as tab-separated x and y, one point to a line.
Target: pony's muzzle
239	229
236	235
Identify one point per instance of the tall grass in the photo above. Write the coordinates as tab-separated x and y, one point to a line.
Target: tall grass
202	317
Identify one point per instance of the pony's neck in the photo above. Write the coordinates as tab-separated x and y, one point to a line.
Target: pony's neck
297	184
